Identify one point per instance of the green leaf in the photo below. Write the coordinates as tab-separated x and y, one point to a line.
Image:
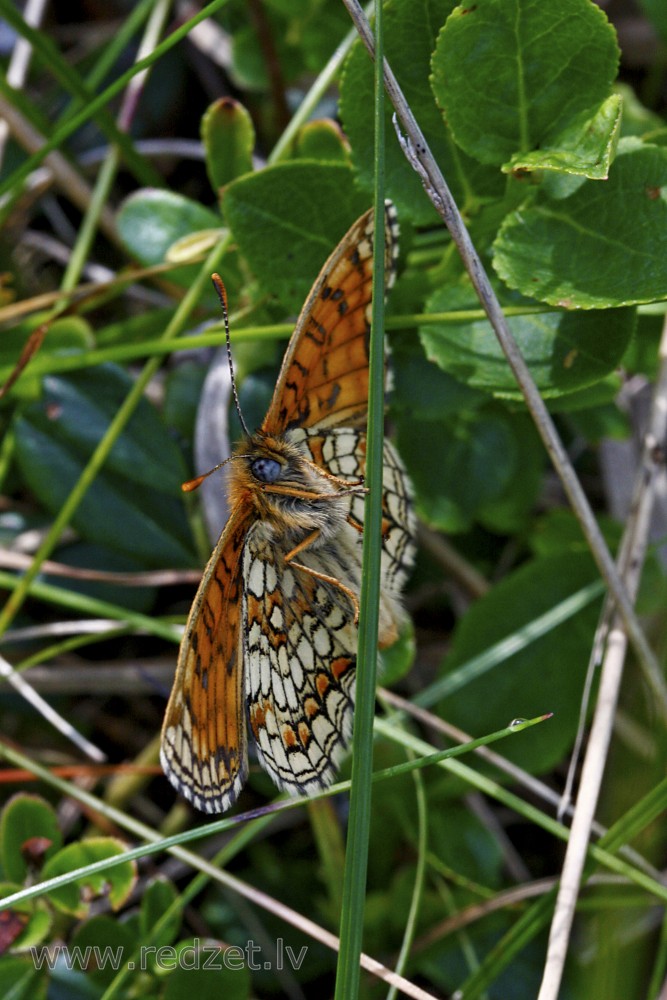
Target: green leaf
113	883
512	75
151	221
27	821
565	351
226	976
249	65
423	390
603	395
585	147
284	250
458	466
546	676
19	980
113	942
24	924
558	531
603	246
160	896
460	839
509	512
135	504
410	30
322	140
643	353
637	118
303	36
229	138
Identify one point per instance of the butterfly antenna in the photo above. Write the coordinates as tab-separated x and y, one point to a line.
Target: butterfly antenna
222	295
194	484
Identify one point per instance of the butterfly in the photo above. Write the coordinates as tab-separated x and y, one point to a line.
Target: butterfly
269	649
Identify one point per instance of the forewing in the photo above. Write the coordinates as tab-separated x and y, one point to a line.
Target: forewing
300	651
204	740
324	377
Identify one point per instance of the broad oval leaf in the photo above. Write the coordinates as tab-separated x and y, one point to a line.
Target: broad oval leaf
458	466
603	246
284	250
506	85
115	883
565	351
25	820
152	220
410	30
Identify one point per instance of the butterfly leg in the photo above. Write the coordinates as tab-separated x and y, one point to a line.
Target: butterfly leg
358	526
303	544
348	485
278	489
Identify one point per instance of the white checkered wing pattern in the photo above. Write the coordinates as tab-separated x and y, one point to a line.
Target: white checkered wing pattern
300	640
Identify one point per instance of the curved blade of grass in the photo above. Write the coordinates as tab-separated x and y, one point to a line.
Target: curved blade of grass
157	843
417	890
94	105
72	82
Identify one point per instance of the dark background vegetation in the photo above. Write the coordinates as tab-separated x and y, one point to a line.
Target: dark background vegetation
499	546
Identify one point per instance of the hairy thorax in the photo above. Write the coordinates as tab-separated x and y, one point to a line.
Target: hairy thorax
291	495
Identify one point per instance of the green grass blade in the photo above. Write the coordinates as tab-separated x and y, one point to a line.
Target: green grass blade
356	855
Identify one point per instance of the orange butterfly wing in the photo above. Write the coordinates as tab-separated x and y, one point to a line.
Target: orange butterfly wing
323	380
204	738
264	637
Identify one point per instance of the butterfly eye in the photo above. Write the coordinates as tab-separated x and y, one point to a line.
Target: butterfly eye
267	470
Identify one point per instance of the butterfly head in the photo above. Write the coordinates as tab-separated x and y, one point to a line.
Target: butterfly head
286	490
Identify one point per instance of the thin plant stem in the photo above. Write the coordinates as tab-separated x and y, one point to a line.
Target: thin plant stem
358	832
93	106
109	169
421	159
631	560
418	887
